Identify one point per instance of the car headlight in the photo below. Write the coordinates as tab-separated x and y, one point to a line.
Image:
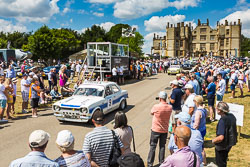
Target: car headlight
84	110
56	108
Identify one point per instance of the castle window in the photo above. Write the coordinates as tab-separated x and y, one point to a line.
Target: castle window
222	42
211	46
194	37
212	37
202	46
227	42
227	31
194	46
177	44
181	43
194	32
181	53
203	38
203	30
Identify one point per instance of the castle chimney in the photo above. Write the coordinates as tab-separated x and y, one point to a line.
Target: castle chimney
207	22
157	36
182	24
154	35
186	25
238	21
189	24
178	24
168	24
226	23
218	23
235	23
171	25
199	22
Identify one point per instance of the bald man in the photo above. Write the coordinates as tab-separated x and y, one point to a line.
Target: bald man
184	157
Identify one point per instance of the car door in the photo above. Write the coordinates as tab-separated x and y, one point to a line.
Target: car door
116	96
108	99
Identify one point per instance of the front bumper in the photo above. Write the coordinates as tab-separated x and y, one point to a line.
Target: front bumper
71	115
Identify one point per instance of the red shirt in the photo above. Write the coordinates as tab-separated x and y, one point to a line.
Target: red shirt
161	113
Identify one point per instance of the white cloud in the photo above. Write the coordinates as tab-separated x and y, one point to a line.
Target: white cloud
7	26
130	9
67	6
103	1
243	16
71	20
29	10
98	14
157	23
107	26
65	10
149	41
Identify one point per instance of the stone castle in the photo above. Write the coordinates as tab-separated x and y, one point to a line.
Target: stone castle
182	40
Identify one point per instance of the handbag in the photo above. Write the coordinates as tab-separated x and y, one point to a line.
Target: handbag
115	152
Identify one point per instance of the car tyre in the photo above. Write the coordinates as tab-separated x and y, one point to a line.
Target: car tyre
123	104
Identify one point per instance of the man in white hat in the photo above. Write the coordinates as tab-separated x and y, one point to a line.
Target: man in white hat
175	100
189	105
161	114
65	142
38	141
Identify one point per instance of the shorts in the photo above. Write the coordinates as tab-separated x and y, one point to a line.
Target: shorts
232	87
3	103
210	99
174	112
121	76
25	96
34	102
219	97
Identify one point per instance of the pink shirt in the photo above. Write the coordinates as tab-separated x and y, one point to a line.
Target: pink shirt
161	113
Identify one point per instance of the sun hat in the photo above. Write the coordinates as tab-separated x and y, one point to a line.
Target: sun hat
163	95
174	82
64	138
38	138
14	80
188	86
183	117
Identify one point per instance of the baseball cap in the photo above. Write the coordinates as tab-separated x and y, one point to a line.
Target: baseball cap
98	116
14	80
163	95
174	82
38	138
64	138
188	86
183	117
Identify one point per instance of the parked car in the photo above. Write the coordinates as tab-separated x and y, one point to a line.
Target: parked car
174	69
88	98
187	65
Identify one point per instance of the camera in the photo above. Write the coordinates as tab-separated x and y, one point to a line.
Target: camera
157	98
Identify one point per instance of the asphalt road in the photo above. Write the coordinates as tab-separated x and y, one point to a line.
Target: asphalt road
14	135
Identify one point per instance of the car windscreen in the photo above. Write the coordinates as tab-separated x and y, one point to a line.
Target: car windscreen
89	92
173	66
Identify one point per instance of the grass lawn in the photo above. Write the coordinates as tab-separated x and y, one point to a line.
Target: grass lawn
239	154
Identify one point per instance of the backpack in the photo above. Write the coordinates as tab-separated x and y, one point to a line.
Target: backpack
131	159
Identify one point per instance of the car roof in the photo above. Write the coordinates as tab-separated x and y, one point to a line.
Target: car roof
97	84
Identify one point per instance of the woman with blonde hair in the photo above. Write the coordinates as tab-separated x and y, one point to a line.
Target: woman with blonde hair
9	89
62	76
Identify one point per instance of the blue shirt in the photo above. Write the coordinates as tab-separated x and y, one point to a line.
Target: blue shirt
202	125
34	159
34	92
176	95
10	73
195	143
211	88
196	87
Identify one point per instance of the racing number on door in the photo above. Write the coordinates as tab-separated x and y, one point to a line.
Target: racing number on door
109	103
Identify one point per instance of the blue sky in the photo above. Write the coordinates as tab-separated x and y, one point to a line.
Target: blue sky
148	16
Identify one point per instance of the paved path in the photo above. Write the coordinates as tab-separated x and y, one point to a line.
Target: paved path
14	135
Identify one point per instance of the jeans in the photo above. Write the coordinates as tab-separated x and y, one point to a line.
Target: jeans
155	136
221	157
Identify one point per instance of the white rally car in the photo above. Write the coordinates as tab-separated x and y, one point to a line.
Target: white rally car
88	98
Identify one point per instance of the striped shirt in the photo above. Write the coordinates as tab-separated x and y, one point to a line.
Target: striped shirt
99	144
76	160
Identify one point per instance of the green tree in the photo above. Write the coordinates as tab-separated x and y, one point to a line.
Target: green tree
245	46
115	32
135	43
18	39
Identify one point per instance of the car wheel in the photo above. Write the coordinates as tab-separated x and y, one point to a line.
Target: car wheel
123	104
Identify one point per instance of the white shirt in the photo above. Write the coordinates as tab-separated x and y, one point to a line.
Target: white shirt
188	103
222	89
25	88
78	68
14	89
120	70
114	71
2	95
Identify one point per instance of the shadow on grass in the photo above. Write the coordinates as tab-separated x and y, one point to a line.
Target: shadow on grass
208	144
245	136
210	159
